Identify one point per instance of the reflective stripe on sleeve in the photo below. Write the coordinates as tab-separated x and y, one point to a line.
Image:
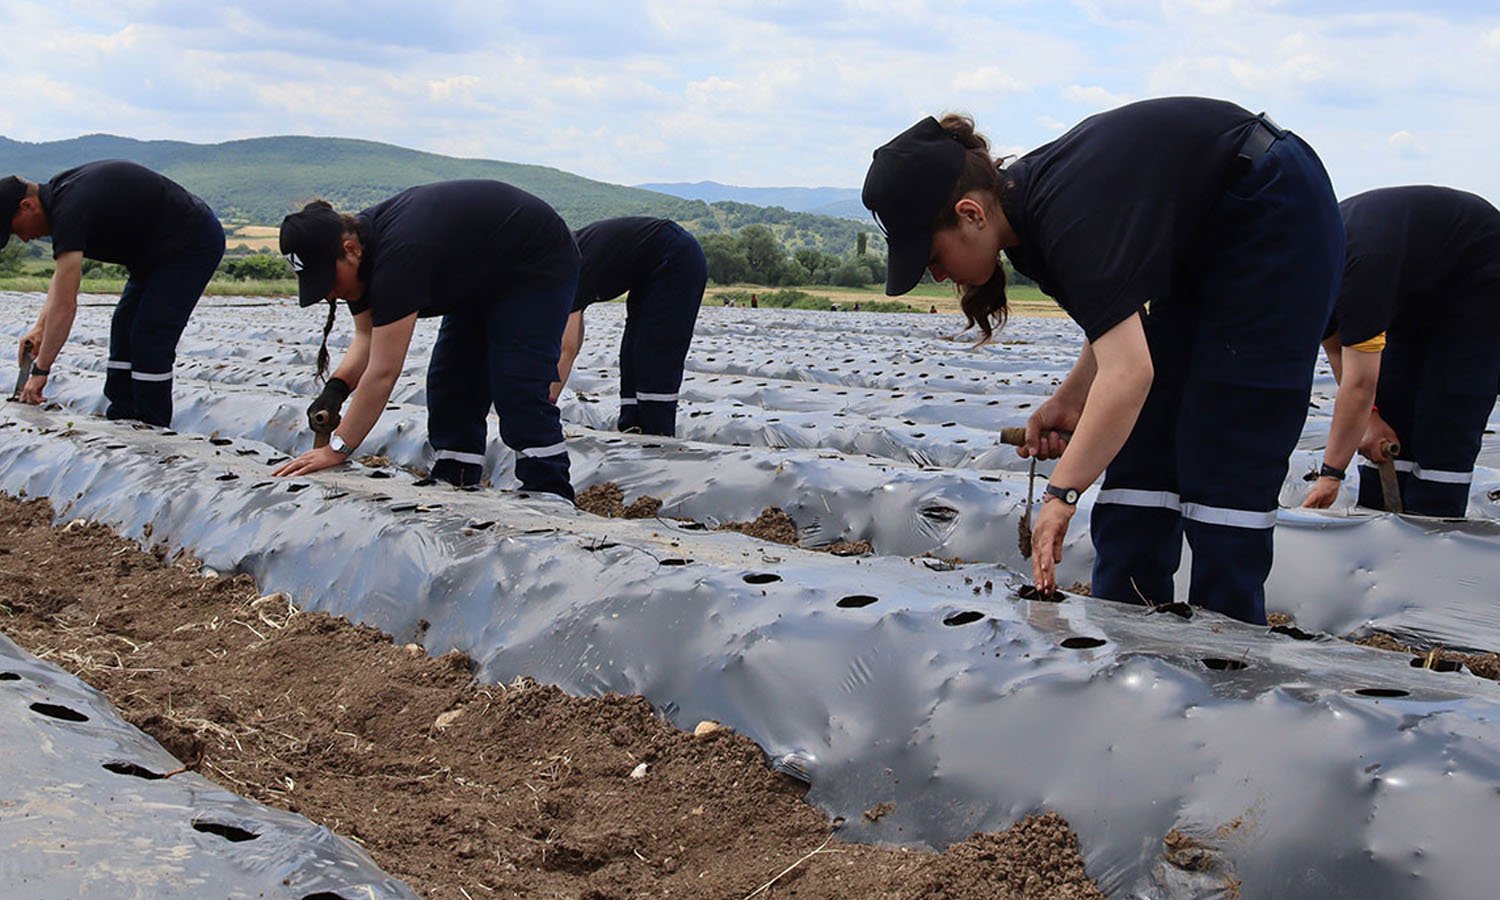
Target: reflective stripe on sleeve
118	364
151	376
657	398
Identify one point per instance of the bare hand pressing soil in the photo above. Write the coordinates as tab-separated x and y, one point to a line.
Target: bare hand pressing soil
458	788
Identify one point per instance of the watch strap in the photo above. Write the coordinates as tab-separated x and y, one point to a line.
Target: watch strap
1067	495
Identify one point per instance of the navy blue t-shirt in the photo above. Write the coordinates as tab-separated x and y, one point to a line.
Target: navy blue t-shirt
1420	254
1107	214
119	212
613	257
442	248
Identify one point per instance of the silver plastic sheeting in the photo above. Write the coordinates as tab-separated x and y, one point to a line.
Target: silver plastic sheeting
873	427
88	813
1296	767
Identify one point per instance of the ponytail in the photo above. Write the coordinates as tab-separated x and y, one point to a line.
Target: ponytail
352	226
984	305
333	307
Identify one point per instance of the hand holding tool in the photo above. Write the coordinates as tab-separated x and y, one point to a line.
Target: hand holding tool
25	358
323	413
1390	488
1016	436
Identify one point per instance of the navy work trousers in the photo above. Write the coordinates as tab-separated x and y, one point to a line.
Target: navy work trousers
1437	389
660	313
504	353
148	321
1233	351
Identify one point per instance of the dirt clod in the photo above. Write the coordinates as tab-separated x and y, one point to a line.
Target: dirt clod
608	499
771	525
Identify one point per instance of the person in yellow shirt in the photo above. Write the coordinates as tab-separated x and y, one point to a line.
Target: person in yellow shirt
1414	342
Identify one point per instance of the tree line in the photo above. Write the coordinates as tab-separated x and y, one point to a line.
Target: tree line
754	254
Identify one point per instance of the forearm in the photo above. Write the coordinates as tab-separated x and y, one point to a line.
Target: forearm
1351	414
1359	376
367	404
572	343
565	363
1111	408
356	359
57	314
1075	388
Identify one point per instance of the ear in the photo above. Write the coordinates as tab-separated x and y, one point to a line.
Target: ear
970	210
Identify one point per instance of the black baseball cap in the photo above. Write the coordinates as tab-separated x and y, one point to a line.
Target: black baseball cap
908	184
312	241
12	192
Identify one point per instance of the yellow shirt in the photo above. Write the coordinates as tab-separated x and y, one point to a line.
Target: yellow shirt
1373	345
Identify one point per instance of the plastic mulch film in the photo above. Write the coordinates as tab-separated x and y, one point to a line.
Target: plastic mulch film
92	807
1194	756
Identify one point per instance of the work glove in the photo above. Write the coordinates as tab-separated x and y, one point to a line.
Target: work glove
331	401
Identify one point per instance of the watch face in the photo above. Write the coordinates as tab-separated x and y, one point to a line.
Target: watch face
1072	496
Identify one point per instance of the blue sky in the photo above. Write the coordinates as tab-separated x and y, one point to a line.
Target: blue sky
756	92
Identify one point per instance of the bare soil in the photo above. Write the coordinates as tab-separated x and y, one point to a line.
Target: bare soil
460	789
773	524
1485	665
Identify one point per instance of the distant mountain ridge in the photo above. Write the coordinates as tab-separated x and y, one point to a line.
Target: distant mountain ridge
259	180
822	201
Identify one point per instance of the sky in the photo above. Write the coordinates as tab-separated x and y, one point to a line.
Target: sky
756	92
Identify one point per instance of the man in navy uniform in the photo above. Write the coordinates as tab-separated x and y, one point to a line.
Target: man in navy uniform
661	270
1415	344
117	212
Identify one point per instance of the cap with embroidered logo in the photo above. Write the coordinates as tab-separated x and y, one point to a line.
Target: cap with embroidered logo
311	241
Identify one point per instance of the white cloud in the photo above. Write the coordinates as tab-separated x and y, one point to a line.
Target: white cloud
1407	146
759	92
448	88
1094	96
991	79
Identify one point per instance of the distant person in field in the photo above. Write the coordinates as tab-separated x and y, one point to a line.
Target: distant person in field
660	269
1414	342
1199	247
499	266
168	240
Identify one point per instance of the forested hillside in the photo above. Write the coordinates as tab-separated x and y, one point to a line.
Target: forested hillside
257	181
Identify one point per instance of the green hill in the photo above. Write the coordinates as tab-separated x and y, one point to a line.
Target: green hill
258	181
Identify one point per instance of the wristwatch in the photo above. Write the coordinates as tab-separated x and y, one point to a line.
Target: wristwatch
39	372
1327	471
1066	495
337	445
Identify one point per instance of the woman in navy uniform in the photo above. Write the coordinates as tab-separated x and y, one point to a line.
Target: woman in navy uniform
118	212
1199	247
499	266
661	270
1415	343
